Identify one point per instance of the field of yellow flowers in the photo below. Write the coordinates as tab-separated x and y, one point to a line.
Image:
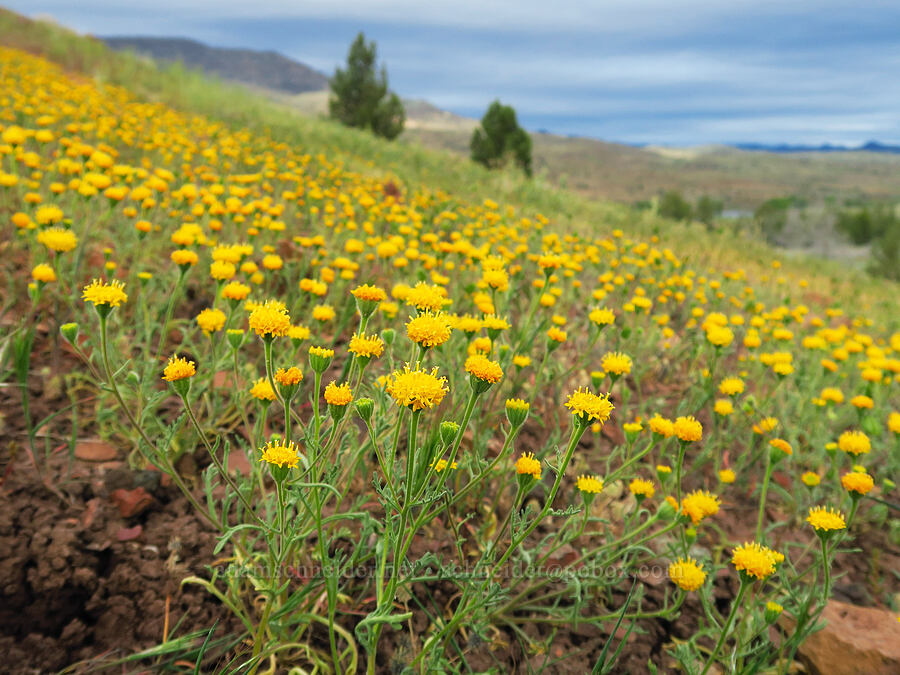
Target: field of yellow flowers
267	413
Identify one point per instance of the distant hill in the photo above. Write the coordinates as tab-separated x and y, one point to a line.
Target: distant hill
871	146
266	70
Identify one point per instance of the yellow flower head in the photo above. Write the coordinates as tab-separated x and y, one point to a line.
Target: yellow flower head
182	257
687	574
781	445
700	504
723	407
270	319
221	270
642	487
616	363
262	390
298	333
286	378
517	404
589	484
720	336
755	560
587	406
44	273
731	386
178	369
825	520
58	239
370	293
280	455
894	422
424	296
832	395
494	322
859	482
556	335
468	324
323	313
210	320
482	368
854	442
338	394
602	317
862	401
688	429
416	388
811	479
727	476
322	352
527	464
521	361
235	290
441	464
662	426
429	329
765	425
366	346
102	293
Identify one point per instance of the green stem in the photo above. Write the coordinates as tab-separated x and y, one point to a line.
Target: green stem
104	352
170	308
762	497
727	628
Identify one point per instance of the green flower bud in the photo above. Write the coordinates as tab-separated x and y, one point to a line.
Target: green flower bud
235	337
364	408
773	611
448	432
320	358
69	331
517	412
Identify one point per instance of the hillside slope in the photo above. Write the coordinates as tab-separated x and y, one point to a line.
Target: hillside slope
412	163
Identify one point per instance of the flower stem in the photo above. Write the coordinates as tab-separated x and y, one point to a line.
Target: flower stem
762	497
727	627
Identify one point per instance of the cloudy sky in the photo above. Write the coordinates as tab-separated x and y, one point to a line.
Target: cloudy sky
636	71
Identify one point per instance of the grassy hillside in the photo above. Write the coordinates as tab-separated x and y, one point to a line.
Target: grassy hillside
413	162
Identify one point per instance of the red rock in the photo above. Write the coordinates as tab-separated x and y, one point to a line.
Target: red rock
855	640
131	502
94	450
129	533
221	379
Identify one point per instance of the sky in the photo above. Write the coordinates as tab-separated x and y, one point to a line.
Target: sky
690	72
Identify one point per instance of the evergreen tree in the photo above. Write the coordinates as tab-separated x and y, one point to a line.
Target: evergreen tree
500	138
360	96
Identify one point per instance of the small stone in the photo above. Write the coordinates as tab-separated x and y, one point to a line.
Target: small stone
94	450
129	533
131	502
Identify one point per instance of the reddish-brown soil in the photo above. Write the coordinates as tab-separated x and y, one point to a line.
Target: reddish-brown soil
82	585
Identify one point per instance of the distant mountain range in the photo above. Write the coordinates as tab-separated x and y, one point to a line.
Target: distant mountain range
268	70
871	146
